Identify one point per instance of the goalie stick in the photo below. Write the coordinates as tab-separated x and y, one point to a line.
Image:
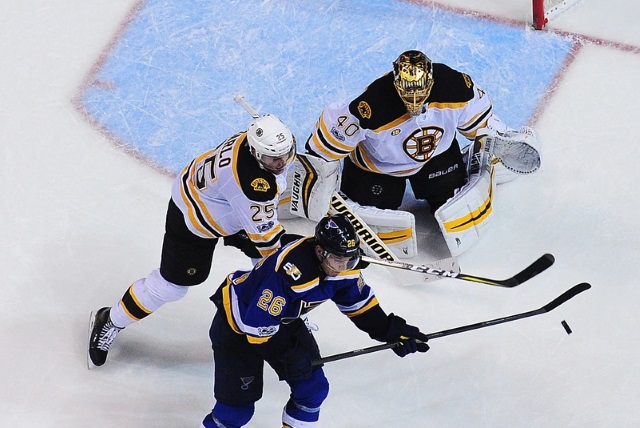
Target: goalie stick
543	263
570	293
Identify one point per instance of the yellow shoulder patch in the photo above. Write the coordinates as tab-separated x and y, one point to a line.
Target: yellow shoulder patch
260	185
467	80
364	109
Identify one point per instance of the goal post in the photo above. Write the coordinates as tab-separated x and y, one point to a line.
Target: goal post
546	10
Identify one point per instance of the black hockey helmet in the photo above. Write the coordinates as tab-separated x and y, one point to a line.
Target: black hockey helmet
336	235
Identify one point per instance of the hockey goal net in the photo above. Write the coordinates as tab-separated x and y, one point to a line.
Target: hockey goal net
546	10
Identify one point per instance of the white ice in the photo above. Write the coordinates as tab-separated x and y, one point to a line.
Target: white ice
81	219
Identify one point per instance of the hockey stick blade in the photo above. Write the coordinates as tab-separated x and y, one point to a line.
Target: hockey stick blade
543	263
569	294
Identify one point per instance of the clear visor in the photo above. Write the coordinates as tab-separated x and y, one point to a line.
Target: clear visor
278	164
341	263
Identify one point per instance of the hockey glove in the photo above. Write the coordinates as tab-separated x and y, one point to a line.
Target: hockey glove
408	337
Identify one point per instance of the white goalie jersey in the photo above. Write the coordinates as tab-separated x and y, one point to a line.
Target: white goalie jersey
378	134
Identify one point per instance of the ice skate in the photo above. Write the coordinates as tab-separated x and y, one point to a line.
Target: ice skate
102	332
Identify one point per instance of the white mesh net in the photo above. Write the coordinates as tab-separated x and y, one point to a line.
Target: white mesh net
546	10
553	7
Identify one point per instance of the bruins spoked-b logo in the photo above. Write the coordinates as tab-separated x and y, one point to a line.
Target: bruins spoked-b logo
421	144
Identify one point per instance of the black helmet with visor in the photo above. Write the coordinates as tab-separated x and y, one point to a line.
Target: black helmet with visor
337	236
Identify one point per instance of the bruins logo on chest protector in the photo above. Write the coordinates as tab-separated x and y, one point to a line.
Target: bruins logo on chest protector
421	144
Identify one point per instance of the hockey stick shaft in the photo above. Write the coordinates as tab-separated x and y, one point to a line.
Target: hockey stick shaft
540	265
368	237
240	100
572	292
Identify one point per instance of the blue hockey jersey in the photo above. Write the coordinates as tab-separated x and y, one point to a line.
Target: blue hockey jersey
284	286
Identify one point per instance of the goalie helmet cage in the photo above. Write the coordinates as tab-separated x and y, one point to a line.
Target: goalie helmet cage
546	10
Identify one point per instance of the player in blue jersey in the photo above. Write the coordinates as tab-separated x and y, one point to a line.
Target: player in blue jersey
259	319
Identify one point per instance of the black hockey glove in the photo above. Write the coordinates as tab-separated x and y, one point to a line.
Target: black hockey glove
409	337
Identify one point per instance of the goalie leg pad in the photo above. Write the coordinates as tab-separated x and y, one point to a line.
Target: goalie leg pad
464	218
503	175
313	182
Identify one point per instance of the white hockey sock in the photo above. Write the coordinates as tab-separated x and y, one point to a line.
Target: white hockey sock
144	297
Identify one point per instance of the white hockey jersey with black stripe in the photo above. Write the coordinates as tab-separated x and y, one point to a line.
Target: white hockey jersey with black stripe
224	191
378	134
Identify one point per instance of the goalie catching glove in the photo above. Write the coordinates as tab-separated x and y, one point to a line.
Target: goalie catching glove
519	151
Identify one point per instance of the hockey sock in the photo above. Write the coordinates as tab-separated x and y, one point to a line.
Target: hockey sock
144	297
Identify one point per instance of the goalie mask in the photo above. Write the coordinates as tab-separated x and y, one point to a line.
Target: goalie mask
272	143
339	242
413	79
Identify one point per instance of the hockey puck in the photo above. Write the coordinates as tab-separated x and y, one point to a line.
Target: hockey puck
566	327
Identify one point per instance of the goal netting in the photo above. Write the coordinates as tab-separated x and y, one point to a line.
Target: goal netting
545	10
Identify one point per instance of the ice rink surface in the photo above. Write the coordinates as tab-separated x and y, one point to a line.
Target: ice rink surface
82	217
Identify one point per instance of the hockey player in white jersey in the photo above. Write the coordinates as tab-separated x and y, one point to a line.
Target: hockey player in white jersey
405	126
230	192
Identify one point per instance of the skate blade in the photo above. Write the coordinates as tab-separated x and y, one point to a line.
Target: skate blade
92	320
